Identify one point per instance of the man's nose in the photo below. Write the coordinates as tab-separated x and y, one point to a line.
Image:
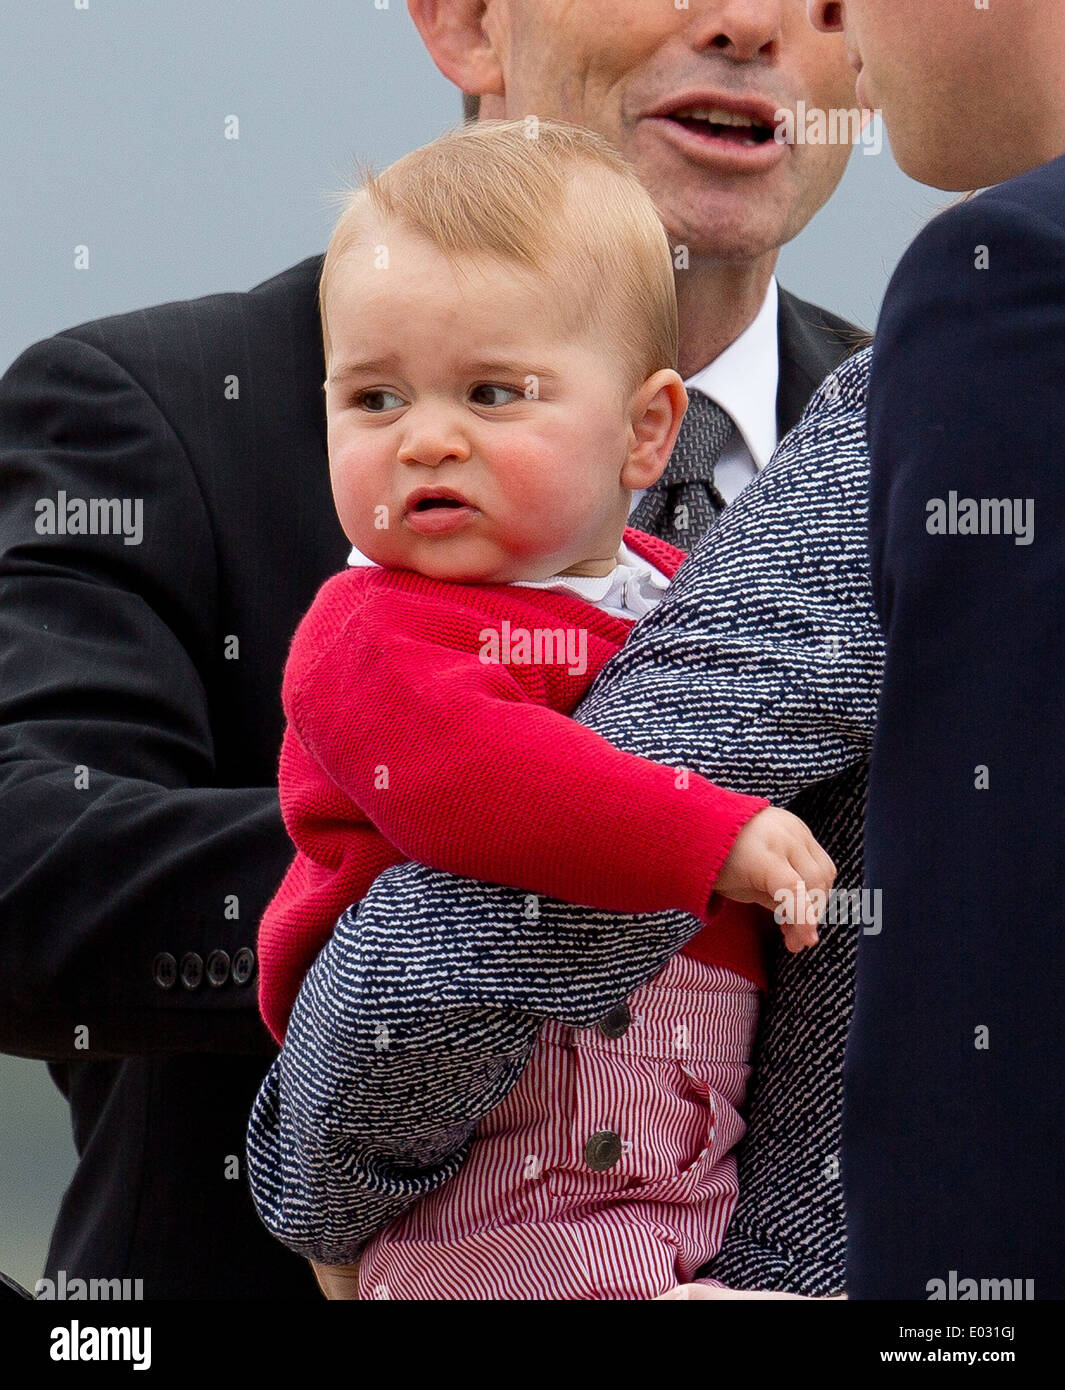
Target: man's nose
825	15
433	435
743	29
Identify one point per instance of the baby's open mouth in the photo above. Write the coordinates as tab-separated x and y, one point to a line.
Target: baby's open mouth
431	499
428	503
433	511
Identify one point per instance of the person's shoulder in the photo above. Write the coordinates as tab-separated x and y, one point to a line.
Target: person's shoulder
976	263
339	596
386	604
845	390
827	451
283	305
1042	189
1018	221
337	609
1037	196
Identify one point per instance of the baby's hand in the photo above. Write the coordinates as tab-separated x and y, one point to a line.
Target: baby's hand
775	854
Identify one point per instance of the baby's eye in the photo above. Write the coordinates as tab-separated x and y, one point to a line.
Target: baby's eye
367	400
508	391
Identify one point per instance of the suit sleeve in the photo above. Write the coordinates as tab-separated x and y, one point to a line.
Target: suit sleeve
115	844
461	768
964	831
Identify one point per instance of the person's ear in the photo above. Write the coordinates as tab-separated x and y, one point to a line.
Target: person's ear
656	413
460	43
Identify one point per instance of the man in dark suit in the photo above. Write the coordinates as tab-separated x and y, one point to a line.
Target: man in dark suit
955	1073
165	518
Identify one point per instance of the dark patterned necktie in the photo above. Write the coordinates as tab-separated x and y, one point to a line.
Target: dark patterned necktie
684	503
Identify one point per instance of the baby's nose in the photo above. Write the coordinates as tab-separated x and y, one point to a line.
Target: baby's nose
432	438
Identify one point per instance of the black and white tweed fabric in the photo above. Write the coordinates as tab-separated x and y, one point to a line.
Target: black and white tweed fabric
760	669
684	503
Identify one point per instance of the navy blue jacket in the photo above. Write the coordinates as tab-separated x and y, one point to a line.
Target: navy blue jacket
955	1074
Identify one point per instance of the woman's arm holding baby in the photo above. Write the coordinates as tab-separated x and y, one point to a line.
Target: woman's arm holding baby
458	975
761	667
474	766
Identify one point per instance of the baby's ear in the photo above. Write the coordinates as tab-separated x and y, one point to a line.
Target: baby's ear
657	410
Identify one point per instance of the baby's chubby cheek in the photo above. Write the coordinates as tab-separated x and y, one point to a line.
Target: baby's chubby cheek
354	513
360	505
545	494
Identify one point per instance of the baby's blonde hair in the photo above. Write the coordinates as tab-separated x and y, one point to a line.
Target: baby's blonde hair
552	198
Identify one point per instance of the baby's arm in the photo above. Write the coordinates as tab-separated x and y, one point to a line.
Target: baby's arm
462	766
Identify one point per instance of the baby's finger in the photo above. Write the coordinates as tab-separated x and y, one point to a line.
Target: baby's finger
796	938
807	909
809	868
785	891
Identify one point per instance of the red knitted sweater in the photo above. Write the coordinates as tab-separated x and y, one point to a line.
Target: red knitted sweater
421	725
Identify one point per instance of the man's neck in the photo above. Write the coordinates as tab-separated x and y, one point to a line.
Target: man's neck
716	302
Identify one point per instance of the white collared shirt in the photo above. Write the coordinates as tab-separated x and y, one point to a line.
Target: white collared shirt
743	382
632	588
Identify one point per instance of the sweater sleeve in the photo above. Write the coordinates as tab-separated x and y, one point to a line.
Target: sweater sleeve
462	767
339	853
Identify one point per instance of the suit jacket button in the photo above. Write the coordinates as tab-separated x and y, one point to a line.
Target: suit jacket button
243	965
164	970
191	970
602	1150
616	1023
217	968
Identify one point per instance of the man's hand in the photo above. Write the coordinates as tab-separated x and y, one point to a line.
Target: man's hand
775	861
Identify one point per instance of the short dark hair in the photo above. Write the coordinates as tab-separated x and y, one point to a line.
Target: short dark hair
471	107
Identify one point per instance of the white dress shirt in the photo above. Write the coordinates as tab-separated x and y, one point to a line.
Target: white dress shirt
630	590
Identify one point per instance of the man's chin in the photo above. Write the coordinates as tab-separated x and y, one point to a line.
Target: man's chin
737	240
734	220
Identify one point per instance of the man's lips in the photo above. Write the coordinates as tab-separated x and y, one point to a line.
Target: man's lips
727	131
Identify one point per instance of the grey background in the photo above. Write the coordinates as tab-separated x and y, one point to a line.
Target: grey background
113	138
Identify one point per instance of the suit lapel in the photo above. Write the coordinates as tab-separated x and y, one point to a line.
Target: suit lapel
812	343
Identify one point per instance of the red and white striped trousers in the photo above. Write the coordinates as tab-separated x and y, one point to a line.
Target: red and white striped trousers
607	1172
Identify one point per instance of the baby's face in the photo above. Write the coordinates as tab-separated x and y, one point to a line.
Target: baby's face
467	439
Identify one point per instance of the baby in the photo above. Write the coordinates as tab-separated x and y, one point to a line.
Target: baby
500	330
